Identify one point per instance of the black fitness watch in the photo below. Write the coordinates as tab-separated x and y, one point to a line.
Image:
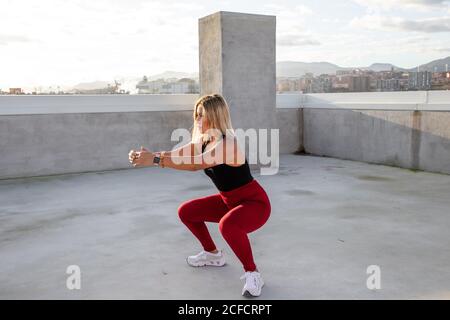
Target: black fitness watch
157	159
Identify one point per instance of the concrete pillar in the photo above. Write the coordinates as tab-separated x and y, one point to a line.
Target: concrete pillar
237	60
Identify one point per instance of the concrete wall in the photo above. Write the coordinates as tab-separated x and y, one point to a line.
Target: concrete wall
52	141
407	129
408	139
290	124
86	103
433	141
45	144
43	135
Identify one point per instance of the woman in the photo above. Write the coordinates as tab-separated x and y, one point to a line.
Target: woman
241	206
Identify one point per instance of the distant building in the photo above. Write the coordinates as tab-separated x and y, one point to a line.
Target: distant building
15	91
440	81
361	80
168	86
359	84
341	83
306	83
183	85
387	85
342	72
144	86
419	80
324	83
288	84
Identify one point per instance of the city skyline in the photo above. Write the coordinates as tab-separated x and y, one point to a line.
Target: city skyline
53	43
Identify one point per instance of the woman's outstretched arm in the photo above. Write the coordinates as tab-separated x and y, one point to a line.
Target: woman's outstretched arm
217	155
187	149
181	158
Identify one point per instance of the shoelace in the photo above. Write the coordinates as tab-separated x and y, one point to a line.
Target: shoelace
250	279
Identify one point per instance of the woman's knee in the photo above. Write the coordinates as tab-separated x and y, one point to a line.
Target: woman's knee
226	226
185	211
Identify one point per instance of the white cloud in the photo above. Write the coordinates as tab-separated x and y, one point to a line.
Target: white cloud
292	28
292	40
348	46
289	11
6	39
331	20
378	22
402	4
80	40
442	49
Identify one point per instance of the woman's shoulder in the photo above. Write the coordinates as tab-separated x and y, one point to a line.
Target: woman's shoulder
225	139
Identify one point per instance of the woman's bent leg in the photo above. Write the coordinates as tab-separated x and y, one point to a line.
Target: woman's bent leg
243	219
194	213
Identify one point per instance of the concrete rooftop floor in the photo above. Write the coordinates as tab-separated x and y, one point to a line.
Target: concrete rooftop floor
330	220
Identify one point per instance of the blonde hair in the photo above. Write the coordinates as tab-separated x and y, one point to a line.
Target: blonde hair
217	114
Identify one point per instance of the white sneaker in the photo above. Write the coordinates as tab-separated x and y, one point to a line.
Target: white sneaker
205	258
253	283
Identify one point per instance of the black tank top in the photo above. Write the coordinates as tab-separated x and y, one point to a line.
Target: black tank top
227	177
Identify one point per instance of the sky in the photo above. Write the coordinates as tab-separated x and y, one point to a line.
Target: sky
50	42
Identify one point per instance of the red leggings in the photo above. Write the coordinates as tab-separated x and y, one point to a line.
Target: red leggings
238	212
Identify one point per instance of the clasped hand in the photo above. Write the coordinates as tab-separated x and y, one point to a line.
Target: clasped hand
141	158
